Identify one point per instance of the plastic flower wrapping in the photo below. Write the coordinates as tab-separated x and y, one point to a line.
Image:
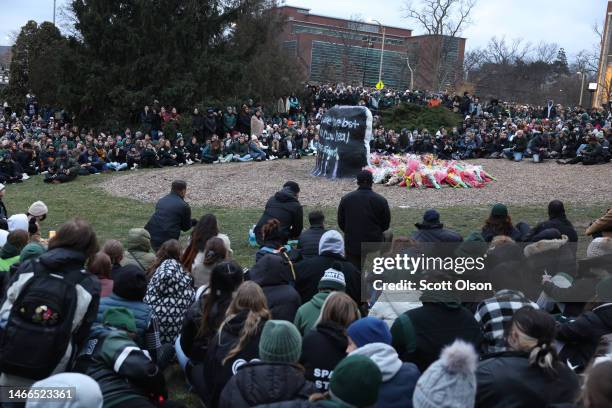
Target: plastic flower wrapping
425	171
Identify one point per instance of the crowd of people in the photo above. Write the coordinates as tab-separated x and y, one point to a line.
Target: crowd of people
293	329
44	141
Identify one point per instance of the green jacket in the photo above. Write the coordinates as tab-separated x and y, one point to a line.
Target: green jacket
309	312
5	264
139	249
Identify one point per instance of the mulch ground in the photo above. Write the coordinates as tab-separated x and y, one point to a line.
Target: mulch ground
248	185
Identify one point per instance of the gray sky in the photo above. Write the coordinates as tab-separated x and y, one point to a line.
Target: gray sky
566	22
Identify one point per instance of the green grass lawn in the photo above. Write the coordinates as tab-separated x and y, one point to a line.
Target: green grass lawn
112	217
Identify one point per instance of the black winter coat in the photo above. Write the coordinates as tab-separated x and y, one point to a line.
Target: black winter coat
308	242
273	274
172	215
562	224
434	326
507	380
285	207
208	379
322	349
263	383
582	335
435	233
310	271
363	216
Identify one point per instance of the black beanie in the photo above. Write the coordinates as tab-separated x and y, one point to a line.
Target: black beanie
130	282
293	186
556	209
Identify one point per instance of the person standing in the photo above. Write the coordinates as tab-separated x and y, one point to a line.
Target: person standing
172	215
363	216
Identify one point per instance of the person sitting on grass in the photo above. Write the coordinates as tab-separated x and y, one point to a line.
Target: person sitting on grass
62	170
500	223
11	251
240	150
308	242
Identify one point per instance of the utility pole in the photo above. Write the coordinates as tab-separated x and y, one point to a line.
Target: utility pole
411	73
382	49
54	12
581	87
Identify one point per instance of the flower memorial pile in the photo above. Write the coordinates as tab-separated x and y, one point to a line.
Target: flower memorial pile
414	171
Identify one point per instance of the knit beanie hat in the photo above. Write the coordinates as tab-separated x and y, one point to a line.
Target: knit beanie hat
280	342
355	381
599	247
474	245
31	251
38	209
499	210
449	382
130	282
88	393
120	318
332	279
369	330
601	224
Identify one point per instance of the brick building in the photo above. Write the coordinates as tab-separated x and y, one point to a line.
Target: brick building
339	50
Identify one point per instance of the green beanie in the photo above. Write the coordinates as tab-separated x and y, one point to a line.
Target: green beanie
473	246
120	318
355	381
499	210
280	342
604	290
31	251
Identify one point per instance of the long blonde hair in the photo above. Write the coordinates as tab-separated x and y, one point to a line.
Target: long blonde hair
249	296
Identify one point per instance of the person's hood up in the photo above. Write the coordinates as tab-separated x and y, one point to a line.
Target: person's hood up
62	258
334	332
271	270
139	239
331	241
384	356
18	222
87	391
285	195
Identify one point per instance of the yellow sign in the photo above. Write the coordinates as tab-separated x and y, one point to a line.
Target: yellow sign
380	85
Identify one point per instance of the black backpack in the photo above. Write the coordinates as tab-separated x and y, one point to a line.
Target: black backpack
39	328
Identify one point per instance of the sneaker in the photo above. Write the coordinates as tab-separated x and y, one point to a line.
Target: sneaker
25	176
180	165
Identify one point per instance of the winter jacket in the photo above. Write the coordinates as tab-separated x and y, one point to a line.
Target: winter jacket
435	233
388	306
273	274
59	261
121	368
169	293
209	387
262	383
310	271
309	312
308	242
420	334
193	346
507	380
363	216
399	379
581	336
562	224
257	126
322	349
285	207
172	215
138	251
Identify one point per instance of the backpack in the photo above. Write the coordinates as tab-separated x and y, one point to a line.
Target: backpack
39	328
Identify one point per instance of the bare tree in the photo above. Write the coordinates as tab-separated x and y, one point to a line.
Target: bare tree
499	51
545	52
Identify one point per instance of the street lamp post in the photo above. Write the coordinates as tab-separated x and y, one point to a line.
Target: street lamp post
581	86
411	73
382	49
54	12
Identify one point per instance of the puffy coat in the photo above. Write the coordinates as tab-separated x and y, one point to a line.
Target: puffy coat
138	251
420	334
273	274
582	335
308	242
172	215
209	387
262	383
322	349
285	207
363	216
141	311
399	379
562	224
507	380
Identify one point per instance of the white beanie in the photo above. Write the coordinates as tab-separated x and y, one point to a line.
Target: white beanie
599	247
18	222
86	391
38	209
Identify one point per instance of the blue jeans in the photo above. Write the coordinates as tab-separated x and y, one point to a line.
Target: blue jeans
117	166
581	149
180	355
257	153
511	154
245	158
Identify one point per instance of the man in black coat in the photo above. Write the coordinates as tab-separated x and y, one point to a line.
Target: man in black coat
363	216
557	220
172	215
308	243
431	230
285	207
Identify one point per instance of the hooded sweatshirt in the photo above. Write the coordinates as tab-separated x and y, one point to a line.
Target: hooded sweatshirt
308	313
399	379
138	250
322	349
